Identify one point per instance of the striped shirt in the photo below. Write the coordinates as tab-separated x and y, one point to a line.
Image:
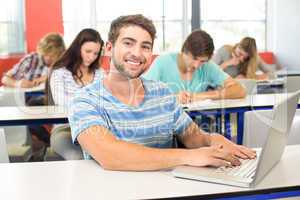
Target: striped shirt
63	86
152	123
30	67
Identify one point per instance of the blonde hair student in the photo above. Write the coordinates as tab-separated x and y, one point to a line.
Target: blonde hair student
32	69
241	60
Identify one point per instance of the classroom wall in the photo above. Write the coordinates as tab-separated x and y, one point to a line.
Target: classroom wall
283	33
42	17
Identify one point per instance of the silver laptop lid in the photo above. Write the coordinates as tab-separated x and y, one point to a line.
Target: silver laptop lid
273	148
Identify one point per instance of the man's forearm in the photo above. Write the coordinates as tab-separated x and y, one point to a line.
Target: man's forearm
114	154
235	91
126	156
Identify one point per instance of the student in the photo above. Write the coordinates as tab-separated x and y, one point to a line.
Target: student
33	68
125	122
190	74
242	60
31	71
77	68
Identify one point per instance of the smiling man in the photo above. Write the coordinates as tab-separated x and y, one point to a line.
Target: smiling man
125	122
190	74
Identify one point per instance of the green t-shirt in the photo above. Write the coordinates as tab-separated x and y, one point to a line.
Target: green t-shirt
165	69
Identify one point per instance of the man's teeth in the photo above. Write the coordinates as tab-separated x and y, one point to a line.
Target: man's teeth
133	63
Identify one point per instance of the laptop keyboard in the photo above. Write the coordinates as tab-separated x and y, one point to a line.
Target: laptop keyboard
246	169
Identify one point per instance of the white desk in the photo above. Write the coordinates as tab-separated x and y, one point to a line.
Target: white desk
54	114
85	179
38	88
24	115
238	106
257	100
287	72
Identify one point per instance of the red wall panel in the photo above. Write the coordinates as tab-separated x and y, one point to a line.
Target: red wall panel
42	17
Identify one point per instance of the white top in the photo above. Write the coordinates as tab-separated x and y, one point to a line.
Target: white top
63	86
85	179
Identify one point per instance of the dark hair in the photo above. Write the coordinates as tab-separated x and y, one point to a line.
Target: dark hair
198	43
129	20
71	59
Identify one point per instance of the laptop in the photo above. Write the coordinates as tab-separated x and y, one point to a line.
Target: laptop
251	172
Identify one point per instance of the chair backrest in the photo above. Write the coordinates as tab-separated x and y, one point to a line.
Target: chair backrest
292	83
268	57
3	148
249	84
257	123
14	134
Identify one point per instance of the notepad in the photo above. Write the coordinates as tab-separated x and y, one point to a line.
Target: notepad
199	104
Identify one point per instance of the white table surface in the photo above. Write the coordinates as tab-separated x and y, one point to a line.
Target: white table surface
53	112
257	100
32	112
85	179
38	88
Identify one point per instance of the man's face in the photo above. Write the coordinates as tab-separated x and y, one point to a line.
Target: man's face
192	63
131	51
49	58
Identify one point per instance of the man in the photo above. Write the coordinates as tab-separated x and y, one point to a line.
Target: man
32	69
191	75
125	122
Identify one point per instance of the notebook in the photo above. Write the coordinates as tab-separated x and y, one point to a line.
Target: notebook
199	104
251	172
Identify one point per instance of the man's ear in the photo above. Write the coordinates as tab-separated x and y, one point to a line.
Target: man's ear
108	49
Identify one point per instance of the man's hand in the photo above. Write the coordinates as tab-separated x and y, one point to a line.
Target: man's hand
23	83
184	97
232	148
211	156
38	81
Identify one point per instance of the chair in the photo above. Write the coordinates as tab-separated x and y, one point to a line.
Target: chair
18	138
256	127
249	85
3	148
62	147
291	83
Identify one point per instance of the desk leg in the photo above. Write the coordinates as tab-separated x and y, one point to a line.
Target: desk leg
227	131
218	118
240	127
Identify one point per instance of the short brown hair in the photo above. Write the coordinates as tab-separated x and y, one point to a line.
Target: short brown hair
52	43
129	20
198	43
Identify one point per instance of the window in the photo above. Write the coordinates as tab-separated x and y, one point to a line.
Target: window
226	21
11	27
167	15
231	20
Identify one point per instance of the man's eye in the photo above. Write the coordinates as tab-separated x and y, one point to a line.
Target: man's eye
128	43
146	47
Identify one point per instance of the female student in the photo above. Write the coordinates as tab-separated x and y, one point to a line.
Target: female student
242	60
77	68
